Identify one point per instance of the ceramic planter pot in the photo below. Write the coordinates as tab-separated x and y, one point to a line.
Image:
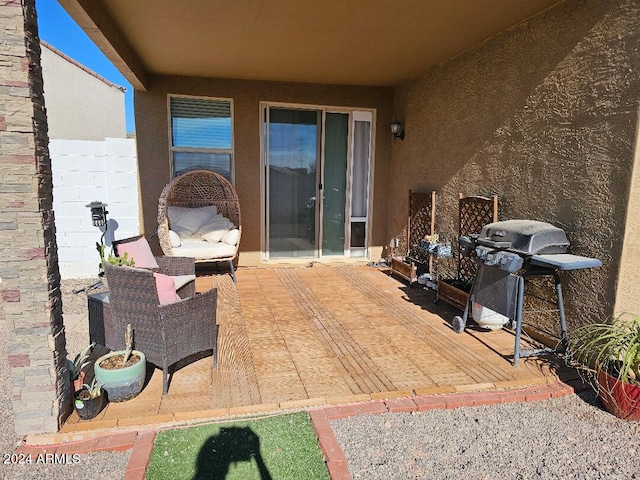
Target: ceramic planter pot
122	383
87	407
622	400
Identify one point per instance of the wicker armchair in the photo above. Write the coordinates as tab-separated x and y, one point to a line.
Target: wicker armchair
166	334
199	188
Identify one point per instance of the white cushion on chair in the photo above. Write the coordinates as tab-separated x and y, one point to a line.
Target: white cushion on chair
215	236
174	239
202	250
213	231
188	220
182	280
216	222
231	237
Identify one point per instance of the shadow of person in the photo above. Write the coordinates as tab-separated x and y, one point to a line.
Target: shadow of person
231	445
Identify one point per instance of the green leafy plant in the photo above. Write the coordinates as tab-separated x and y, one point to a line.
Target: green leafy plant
100	246
612	346
81	361
120	261
113	259
94	389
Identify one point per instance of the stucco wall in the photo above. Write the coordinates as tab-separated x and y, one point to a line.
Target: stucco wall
153	143
80	106
543	115
628	291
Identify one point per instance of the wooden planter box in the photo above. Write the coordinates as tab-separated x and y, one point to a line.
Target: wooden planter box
408	271
452	295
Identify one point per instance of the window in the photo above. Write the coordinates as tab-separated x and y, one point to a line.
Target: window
201	135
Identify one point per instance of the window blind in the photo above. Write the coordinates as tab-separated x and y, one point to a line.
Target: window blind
200	123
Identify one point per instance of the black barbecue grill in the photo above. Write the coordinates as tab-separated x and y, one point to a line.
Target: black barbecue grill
507	253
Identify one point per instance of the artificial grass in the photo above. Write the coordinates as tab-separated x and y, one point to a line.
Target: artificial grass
282	447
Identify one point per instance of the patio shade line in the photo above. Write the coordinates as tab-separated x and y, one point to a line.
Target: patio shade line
473	360
407	324
287	333
286	322
322	295
339	352
235	380
472	364
358	364
375	338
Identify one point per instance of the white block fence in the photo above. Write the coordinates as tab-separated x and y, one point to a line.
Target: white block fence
84	171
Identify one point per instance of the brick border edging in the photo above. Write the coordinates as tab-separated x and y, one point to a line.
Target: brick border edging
140	456
335	457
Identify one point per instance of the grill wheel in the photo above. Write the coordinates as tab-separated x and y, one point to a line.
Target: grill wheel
458	324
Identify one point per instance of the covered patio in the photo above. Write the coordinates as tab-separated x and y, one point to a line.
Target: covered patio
300	337
497	97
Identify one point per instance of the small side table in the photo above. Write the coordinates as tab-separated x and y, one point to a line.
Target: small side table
101	329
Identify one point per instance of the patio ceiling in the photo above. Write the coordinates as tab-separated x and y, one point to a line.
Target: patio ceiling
374	42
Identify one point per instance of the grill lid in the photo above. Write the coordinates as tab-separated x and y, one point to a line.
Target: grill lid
527	237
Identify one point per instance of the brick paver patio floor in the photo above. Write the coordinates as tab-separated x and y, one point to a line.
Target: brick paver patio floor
324	335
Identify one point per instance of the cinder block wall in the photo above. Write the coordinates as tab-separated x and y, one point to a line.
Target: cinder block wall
30	295
544	115
84	171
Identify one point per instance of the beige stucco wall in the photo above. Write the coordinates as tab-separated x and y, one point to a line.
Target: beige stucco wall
544	115
153	143
80	106
628	291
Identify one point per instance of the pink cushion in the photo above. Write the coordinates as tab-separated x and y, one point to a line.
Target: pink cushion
140	251
166	289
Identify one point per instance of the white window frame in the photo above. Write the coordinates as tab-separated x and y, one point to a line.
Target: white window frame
360	115
173	149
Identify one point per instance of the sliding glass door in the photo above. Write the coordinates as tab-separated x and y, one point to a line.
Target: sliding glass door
293	140
334	186
317	182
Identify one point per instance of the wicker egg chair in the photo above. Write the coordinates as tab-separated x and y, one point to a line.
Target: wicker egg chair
199	188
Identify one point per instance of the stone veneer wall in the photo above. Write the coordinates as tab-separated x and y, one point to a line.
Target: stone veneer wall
544	115
31	302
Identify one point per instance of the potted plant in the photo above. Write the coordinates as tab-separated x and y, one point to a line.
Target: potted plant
111	259
610	351
89	400
122	372
76	368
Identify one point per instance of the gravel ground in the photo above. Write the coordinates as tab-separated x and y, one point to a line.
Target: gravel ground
568	437
100	465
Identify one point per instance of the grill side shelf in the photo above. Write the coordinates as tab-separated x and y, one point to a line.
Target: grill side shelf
565	261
